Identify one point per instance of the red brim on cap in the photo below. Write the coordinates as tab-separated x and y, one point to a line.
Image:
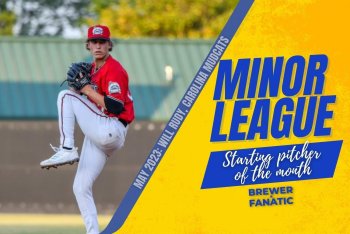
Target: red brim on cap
98	38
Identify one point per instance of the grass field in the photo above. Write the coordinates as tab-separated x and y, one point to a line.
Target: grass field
45	223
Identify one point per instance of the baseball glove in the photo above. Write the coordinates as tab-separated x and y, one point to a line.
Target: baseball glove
78	75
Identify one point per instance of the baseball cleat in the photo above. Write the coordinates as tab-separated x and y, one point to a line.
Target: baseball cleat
61	157
48	167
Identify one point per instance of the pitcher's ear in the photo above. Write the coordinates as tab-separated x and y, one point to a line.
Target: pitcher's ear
110	45
87	45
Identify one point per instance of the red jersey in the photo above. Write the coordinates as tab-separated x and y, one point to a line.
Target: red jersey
112	80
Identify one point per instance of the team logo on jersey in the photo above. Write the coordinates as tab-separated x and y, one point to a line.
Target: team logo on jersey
97	30
114	87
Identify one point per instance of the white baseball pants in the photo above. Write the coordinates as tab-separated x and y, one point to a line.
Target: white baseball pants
103	135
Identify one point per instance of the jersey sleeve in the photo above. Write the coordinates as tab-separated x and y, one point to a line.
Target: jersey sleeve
116	86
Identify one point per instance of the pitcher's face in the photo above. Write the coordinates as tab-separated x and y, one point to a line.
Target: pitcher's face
99	48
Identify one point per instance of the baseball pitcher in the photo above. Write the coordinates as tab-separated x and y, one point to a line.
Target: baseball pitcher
99	100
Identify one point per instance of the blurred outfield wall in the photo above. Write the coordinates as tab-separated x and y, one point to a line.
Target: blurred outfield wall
32	69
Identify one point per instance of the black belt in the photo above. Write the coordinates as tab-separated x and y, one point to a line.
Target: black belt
123	122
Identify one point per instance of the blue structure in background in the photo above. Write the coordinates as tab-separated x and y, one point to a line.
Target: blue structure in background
32	69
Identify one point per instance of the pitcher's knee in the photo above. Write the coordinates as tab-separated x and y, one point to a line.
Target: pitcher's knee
64	92
81	190
61	95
